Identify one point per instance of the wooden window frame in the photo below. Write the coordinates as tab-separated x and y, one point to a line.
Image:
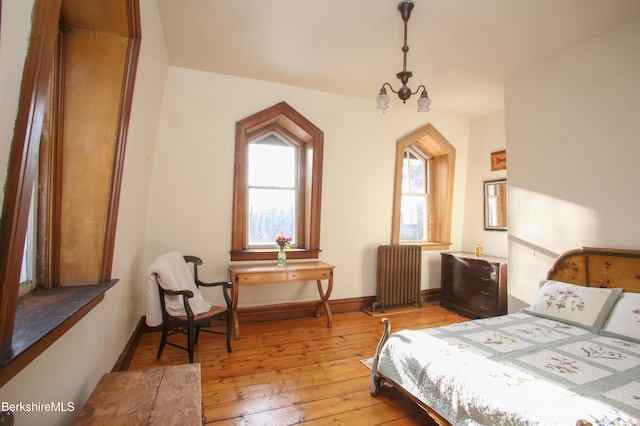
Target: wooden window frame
24	336
290	124
442	158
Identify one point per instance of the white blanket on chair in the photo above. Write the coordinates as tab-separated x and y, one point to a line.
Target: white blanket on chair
173	274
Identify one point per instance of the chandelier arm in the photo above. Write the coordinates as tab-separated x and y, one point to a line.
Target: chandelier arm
390	88
418	89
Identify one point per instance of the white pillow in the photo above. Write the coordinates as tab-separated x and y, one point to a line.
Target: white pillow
586	307
624	319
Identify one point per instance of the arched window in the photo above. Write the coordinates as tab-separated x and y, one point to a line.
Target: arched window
277	185
423	195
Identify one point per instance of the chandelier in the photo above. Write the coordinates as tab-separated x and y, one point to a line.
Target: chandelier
405	7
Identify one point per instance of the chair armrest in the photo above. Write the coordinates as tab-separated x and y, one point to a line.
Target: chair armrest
185	293
227	284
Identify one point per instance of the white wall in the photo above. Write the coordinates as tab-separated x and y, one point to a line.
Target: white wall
69	369
193	177
572	135
486	135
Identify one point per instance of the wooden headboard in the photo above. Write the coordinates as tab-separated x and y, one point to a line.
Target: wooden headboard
598	267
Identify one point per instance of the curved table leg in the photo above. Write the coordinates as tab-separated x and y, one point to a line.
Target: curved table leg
234	312
324	300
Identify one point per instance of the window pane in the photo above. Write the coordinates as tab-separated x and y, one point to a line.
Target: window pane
28	255
271	212
416	168
272	164
413	218
413	172
405	174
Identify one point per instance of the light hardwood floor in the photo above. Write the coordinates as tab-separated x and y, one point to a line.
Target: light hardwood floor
298	371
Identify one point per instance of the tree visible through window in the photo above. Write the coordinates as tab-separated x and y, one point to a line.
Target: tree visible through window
272	191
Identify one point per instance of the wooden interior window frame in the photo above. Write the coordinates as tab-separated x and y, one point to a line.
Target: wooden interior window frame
290	124
442	159
29	325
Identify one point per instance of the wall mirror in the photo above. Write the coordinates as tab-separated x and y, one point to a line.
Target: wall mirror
495	205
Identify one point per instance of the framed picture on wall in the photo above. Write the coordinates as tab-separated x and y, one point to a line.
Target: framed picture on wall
499	160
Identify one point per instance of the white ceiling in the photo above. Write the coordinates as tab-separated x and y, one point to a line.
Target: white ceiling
460	49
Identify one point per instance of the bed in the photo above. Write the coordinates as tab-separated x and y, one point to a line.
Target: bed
571	358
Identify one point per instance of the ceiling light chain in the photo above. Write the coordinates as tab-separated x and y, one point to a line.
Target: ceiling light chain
405	7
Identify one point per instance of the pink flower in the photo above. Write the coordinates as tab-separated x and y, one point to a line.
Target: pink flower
283	242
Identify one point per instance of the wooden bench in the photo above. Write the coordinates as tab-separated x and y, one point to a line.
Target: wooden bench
157	396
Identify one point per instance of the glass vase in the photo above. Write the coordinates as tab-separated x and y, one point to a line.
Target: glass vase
282	258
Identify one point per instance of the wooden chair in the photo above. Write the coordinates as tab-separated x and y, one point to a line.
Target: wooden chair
190	324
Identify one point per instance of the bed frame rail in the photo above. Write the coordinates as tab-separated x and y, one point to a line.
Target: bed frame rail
376	379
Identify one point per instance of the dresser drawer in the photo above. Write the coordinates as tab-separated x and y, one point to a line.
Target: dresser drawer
470	288
475	269
484	300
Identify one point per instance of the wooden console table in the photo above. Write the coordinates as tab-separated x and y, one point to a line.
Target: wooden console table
169	395
254	274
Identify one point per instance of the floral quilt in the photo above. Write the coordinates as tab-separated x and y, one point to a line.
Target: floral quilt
517	369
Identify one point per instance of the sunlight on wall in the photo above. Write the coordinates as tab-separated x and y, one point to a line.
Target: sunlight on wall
541	227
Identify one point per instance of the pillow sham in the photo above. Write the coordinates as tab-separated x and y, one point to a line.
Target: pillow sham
586	307
624	319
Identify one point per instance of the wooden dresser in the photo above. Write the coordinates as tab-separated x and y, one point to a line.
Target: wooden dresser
474	286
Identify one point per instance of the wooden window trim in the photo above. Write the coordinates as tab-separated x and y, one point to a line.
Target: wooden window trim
289	123
442	156
42	317
16	352
23	158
